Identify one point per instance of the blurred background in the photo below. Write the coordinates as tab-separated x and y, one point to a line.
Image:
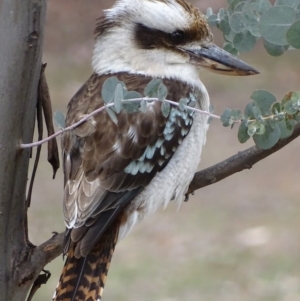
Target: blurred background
236	240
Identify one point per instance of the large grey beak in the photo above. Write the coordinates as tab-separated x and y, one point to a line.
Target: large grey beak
218	60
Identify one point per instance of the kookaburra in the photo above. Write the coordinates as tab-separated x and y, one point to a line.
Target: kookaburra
116	174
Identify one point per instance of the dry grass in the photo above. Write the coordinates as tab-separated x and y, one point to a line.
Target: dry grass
236	240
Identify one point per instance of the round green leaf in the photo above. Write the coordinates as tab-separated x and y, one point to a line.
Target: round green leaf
243	132
226	117
239	6
132	107
109	88
275	50
224	25
236	23
260	129
229	37
162	92
275	22
132	95
143	106
118	98
244	41
233	3
269	138
152	87
291	3
293	35
213	20
59	120
230	48
251	129
209	12
264	100
111	115
286	127
165	109
250	110
258	5
183	103
250	19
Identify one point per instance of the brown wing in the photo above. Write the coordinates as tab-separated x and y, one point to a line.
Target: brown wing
106	164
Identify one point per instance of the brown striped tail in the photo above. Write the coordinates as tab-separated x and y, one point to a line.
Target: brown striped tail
83	279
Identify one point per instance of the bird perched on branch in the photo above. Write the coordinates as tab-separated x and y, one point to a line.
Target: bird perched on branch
116	174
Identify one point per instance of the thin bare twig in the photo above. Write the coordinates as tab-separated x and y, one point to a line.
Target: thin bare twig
73	126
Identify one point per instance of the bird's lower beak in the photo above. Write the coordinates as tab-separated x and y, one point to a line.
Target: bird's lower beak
218	60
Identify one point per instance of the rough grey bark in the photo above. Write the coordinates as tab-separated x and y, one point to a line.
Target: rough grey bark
21	40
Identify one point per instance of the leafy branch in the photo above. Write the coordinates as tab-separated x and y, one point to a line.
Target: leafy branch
115	100
244	22
264	119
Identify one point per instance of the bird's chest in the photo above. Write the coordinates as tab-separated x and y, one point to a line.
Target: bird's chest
173	181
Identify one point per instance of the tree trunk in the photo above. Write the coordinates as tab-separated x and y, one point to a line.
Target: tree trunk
21	40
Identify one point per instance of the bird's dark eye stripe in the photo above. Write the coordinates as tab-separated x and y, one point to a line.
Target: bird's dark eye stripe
177	36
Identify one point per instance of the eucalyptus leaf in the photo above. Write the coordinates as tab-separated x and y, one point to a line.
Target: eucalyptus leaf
239	6
111	115
250	19
276	108
229	37
183	103
213	20
118	98
269	138
143	106
286	127
275	50
233	3
226	117
290	107
275	22
108	89
264	100
293	35
258	5
224	25
252	128
230	48
152	87
260	129
165	108
132	95
244	41
252	111
243	132
222	13
132	107
209	12
291	3
59	120
162	92
236	23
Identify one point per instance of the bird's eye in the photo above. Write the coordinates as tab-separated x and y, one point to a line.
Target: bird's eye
177	36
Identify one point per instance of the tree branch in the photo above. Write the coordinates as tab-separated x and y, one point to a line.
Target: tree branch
53	247
242	160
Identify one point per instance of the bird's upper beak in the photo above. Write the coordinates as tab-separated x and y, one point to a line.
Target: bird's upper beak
218	60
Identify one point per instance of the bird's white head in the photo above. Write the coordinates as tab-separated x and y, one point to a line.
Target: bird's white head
160	38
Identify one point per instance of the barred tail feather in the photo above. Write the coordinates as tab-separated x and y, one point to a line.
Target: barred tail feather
83	279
